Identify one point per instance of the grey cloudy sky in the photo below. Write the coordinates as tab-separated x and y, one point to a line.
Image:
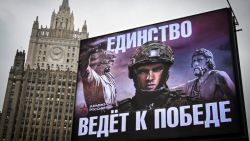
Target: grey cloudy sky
107	16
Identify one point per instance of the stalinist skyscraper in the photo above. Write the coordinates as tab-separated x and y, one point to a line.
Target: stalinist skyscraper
40	93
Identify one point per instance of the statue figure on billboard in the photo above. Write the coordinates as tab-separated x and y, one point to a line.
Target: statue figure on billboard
209	84
149	69
98	82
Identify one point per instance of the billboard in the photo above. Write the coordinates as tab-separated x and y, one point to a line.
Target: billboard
177	79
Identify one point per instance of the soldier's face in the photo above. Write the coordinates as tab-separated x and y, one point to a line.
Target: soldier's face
149	76
199	65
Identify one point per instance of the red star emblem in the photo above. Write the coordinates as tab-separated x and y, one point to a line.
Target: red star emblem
84	109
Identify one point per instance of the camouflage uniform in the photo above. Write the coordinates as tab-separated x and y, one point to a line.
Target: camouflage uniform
148	53
165	99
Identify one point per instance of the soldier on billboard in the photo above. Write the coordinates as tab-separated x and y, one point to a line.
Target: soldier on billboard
149	69
98	82
209	84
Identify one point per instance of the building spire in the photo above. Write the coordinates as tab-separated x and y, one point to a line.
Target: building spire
63	19
65	5
36	23
84	27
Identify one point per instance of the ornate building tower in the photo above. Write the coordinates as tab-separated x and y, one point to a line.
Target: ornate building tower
39	99
12	97
57	46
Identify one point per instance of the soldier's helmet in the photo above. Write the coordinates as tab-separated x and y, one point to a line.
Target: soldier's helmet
150	52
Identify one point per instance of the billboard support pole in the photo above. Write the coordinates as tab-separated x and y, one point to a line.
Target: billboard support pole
236	23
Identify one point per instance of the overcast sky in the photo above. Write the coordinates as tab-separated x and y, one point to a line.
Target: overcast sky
107	16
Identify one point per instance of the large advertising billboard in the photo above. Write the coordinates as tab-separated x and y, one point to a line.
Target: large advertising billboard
177	79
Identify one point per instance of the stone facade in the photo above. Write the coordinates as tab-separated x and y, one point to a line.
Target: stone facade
57	46
39	99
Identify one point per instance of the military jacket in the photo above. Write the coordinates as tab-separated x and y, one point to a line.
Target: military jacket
156	100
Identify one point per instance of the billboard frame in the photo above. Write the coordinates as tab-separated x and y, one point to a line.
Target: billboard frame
243	134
